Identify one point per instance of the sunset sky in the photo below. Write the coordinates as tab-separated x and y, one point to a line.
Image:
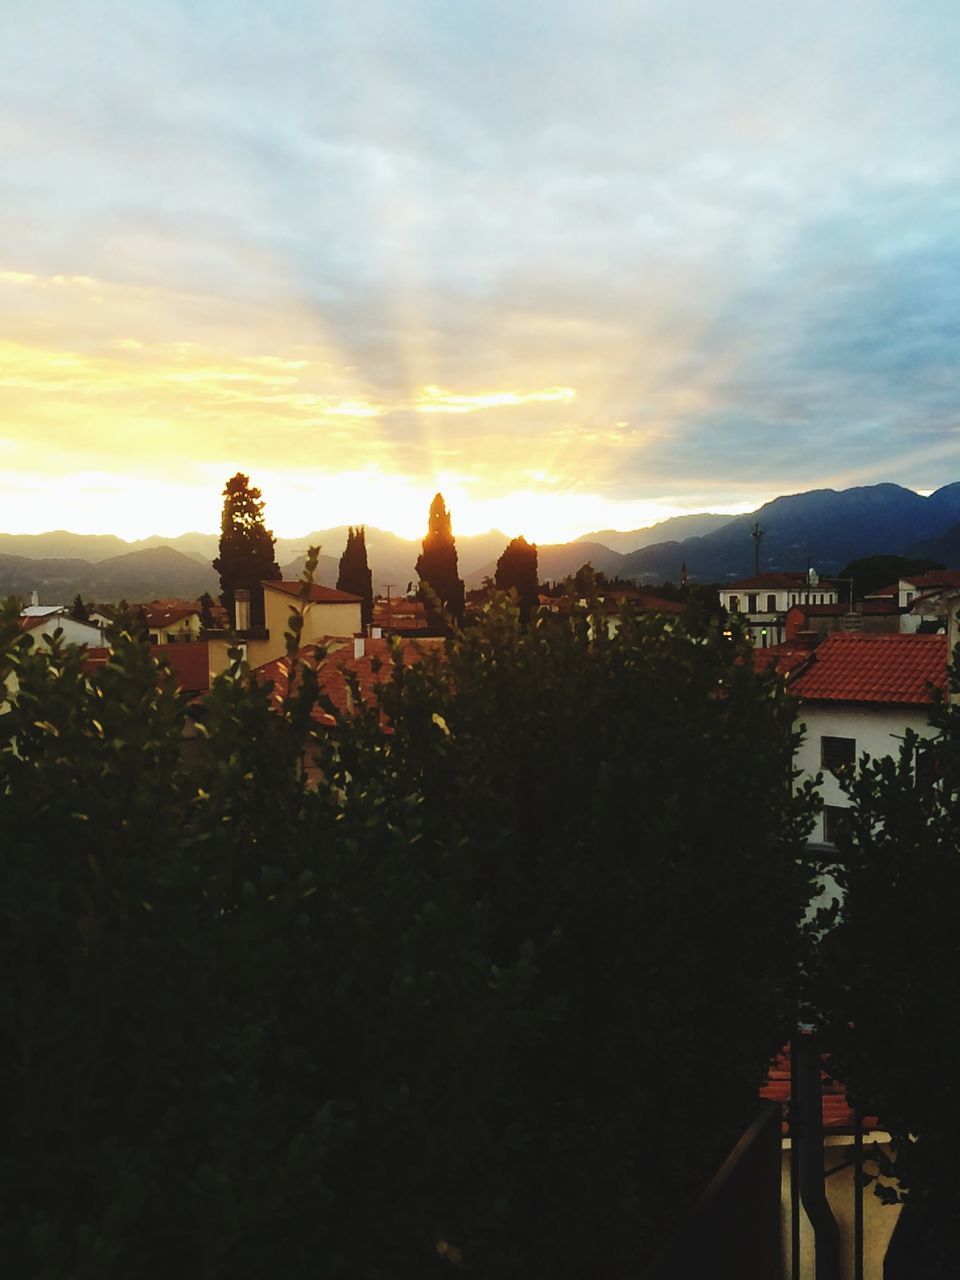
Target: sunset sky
578	265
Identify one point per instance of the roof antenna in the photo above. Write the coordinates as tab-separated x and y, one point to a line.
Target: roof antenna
756	536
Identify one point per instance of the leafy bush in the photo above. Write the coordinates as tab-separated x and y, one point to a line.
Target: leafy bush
888	984
495	994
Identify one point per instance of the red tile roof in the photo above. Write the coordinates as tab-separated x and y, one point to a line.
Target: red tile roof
837	1112
373	667
190	663
890	669
158	615
786	659
316	593
934	578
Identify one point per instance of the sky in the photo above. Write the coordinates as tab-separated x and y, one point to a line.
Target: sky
578	266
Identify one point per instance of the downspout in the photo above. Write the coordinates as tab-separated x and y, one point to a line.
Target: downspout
812	1191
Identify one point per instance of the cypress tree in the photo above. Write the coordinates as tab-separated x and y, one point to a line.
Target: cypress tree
246	548
437	565
517	569
354	575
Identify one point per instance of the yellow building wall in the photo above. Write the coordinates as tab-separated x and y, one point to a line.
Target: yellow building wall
319	620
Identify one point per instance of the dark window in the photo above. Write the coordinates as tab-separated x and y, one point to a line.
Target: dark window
837	754
771	604
752	603
832	814
734	604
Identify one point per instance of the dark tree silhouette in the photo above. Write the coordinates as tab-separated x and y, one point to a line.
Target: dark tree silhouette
207	621
517	569
355	575
246	556
437	566
79	611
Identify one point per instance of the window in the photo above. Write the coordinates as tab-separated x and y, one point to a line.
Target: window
771	604
734	604
752	603
832	815
837	754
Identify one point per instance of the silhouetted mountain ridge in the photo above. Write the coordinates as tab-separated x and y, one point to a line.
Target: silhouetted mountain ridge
825	527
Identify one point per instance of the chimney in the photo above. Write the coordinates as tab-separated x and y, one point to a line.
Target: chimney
34	598
359	646
806	639
241	609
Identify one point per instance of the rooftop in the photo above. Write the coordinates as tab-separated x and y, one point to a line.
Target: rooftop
334	659
894	669
315	594
158	615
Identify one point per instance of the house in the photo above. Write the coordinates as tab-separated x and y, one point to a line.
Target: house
859	693
325	612
902	593
764	600
41	621
171	622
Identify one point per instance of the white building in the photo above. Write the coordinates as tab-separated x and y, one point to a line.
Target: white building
859	693
41	621
763	601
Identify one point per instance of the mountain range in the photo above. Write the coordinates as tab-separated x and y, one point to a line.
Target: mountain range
823	527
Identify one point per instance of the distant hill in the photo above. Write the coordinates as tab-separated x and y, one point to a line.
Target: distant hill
671	530
61	545
559	560
826	526
945	549
155	573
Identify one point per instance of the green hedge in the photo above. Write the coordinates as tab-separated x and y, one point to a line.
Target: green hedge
495	995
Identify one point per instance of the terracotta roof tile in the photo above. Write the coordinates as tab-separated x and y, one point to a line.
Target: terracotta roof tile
190	663
316	594
891	669
786	659
837	1111
158	615
332	669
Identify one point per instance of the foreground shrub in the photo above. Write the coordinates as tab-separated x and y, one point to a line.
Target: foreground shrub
889	975
496	994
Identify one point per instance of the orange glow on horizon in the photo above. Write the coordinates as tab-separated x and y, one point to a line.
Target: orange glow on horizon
110	426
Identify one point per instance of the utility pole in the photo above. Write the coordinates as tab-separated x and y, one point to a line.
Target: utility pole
756	536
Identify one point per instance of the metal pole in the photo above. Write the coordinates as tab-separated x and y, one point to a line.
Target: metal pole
857	1197
795	1158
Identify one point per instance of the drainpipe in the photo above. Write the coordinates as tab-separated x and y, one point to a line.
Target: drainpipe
812	1191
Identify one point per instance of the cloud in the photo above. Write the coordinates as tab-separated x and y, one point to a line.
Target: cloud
405	235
